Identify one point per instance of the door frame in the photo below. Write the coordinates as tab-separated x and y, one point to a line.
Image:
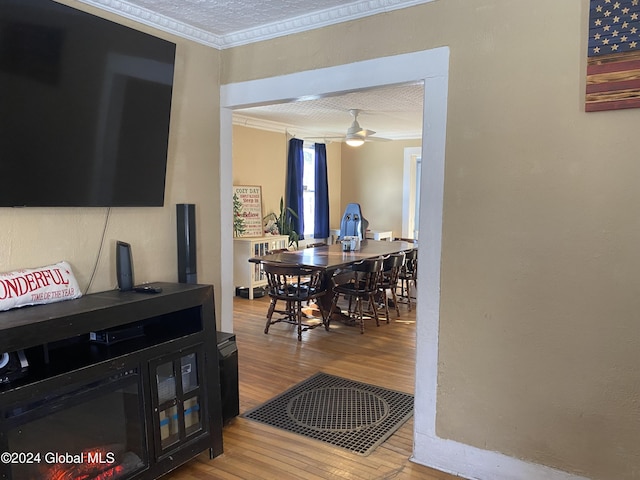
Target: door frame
411	154
431	67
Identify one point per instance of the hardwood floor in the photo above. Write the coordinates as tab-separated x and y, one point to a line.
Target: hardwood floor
269	364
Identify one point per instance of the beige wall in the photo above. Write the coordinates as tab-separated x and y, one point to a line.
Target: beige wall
32	237
260	158
538	334
372	176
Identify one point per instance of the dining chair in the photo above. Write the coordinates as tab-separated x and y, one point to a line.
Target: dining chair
293	285
353	224
388	281
362	285
409	275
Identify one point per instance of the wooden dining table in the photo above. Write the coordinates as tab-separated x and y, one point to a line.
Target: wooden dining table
332	258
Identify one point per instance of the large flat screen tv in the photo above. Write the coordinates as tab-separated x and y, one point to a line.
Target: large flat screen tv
84	110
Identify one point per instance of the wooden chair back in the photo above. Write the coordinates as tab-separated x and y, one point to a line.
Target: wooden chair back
292	282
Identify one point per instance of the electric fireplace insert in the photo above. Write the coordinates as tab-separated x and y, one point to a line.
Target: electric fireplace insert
93	430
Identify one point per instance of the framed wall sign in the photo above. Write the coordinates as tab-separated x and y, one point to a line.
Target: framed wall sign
247	211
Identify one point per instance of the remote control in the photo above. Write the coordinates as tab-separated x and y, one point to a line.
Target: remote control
147	289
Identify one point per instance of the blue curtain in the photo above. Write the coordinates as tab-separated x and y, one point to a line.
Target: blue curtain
293	189
321	219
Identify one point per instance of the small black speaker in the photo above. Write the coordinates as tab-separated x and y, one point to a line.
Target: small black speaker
124	266
186	229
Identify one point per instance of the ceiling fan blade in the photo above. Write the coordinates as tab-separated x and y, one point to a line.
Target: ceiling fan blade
376	139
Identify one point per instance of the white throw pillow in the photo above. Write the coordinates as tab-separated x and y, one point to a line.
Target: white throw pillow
33	286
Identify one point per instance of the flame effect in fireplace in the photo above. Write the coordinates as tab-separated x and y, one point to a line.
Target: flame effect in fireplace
96	465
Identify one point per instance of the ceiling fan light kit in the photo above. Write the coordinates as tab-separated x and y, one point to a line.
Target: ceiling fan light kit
354	141
356	134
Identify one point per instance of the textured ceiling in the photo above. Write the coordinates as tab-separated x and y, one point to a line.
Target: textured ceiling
393	112
228	23
227	17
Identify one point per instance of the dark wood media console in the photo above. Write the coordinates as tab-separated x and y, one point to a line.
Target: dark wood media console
137	407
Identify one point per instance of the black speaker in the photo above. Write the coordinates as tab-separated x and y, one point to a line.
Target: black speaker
124	266
186	228
13	365
228	368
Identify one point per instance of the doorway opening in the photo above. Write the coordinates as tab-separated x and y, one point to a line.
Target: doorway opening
430	67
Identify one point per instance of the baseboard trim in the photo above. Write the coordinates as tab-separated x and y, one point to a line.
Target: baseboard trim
476	464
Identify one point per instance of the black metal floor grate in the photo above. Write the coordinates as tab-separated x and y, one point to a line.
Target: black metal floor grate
348	414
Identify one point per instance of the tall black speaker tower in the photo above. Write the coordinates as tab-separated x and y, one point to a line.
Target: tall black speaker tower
186	226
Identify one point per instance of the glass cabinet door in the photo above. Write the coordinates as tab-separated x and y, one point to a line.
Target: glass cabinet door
178	402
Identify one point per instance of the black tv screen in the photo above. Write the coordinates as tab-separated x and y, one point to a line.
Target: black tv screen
84	109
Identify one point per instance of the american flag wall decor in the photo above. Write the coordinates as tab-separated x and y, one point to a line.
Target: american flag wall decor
613	64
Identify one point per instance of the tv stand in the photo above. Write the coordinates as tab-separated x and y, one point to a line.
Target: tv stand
145	402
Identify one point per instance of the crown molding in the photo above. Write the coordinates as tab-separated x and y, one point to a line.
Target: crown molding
277	127
156	20
322	18
302	23
294	131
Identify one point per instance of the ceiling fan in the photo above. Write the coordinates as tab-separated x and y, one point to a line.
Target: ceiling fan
356	135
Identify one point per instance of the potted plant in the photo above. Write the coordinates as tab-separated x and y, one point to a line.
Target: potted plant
282	224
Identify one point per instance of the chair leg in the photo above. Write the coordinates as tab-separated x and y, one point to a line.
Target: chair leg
350	305
415	288
386	304
298	306
407	284
395	301
272	307
375	310
334	303
291	313
325	317
360	313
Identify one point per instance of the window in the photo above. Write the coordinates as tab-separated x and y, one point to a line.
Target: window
309	190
